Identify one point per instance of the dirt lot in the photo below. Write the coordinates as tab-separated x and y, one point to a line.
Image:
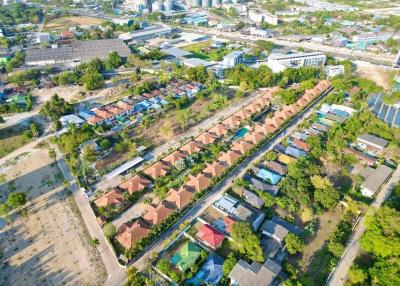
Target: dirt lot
63	23
380	76
49	245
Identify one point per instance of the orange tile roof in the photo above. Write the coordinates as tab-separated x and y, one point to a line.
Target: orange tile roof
260	128
262	102
301	144
135	184
94	119
174	157
200	182
229	221
215	169
129	234
156	170
243	114
205	138
116	110
232	122
103	113
282	115
241	146
191	147
114	197
219	130
180	198
254	137
125	106
229	157
253	108
156	214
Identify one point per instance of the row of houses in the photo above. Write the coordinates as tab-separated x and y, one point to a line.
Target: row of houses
179	199
154	100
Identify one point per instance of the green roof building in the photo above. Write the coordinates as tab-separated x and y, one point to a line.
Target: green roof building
186	257
19	99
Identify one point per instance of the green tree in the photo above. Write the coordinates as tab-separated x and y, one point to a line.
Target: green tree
113	61
109	230
56	107
326	198
52	154
357	276
382	235
92	80
249	242
105	144
228	265
294	243
16	199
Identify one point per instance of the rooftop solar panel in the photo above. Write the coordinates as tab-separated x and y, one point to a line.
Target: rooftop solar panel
377	107
383	111
397	119
390	115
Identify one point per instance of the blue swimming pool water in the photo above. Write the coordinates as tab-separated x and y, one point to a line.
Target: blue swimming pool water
196	280
240	133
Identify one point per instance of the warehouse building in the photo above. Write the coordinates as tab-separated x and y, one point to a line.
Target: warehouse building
76	52
145	34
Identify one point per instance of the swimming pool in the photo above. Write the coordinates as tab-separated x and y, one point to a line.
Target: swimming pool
240	133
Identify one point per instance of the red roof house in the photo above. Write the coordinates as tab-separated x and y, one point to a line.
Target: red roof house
199	183
157	170
191	147
114	197
129	234
135	184
210	236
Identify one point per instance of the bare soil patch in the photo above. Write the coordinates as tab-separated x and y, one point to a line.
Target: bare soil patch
50	244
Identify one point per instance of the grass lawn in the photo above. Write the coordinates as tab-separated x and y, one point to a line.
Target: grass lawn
11	138
196	47
64	23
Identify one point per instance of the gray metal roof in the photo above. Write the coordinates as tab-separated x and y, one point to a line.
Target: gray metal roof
176	52
376	178
373	140
79	51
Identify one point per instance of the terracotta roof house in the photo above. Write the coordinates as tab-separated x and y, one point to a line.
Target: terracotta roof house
278	118
205	138
253	137
229	157
155	214
114	197
199	182
232	122
135	184
260	128
174	157
125	106
301	102
215	169
115	110
129	234
241	146
219	130
290	110
270	128
277	167
243	114
93	120
267	96
260	103
157	170
103	113
191	147
210	236
180	198
283	115
271	122
253	108
301	145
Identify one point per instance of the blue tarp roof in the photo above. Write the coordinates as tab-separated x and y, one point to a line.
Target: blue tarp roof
212	270
267	175
340	113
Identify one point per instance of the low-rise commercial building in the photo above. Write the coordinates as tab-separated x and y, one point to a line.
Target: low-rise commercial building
279	62
374	179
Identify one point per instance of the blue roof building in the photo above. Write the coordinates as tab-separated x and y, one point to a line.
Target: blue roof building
268	176
211	271
341	113
294	152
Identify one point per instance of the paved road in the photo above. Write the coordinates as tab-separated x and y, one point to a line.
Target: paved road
116	274
223	185
338	277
